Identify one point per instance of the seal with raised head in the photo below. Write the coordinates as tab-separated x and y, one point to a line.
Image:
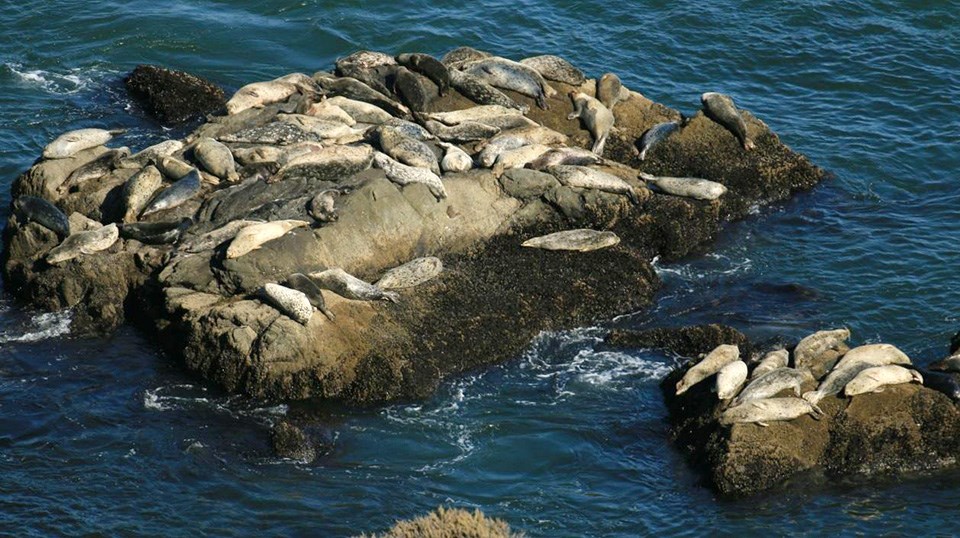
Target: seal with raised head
510	75
769	410
323	206
579	240
155	233
33	209
721	109
656	134
184	189
467	131
73	142
853	362
97	168
290	302
596	118
88	242
777	358
773	382
555	68
821	350
721	356
405	149
609	90
346	285
429	67
216	158
478	91
687	187
309	288
253	236
410	274
876	378
729	379
585	177
402	175
454	159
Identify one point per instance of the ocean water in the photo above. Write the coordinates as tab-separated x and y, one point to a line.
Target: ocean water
109	437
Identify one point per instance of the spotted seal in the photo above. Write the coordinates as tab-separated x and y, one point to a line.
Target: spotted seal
292	303
565	155
410	89
821	350
853	362
656	134
777	358
34	209
876	378
687	187
402	175
357	90
510	75
184	189
555	68
429	67
515	138
609	90
324	130
333	163
138	190
253	236
309	288
482	93
411	274
721	109
215	238
585	177
73	142
459	56
769	410
88	242
480	114
155	233
773	382
325	110
596	118
518	157
721	356
729	379
579	240
407	150
97	168
323	206
467	131
276	133
216	158
151	154
346	285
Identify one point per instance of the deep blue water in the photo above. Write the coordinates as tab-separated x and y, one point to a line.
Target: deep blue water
109	437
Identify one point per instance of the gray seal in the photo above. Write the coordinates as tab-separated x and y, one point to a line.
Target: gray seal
688	187
459	56
721	109
184	189
88	242
509	75
407	150
429	67
290	302
596	118
355	89
97	168
721	356
346	285
555	68
403	175
277	133
580	240
585	177
309	288
411	274
773	382
155	233
478	91
609	90
73	142
770	410
33	209
467	131
656	134
216	158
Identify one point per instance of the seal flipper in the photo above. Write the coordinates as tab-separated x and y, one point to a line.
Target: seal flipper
763	424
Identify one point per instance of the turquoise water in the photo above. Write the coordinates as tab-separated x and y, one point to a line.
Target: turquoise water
109	437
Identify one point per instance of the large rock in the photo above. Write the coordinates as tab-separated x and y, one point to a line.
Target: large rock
173	96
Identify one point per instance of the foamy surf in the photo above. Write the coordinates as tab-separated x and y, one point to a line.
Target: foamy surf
67	83
42	327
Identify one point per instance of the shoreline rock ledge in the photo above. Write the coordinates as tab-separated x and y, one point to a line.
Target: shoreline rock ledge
306	150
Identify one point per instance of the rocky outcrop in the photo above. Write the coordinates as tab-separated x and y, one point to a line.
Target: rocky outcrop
491	299
171	96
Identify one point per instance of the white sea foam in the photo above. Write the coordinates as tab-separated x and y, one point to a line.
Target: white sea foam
42	327
71	81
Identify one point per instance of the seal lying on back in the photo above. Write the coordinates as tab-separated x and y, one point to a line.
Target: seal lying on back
405	149
609	90
773	382
777	358
655	135
688	187
156	233
290	302
252	237
94	169
820	351
730	378
770	410
580	240
596	118
309	288
853	362
478	91
184	189
138	190
555	68
720	108
33	209
510	75
403	175
346	285
876	378
721	356
410	274
429	67
72	142
585	177
87	242
454	159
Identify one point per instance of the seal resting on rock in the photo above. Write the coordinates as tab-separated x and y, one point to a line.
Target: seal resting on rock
655	135
720	108
479	91
309	288
821	350
853	362
564	155
258	94
410	274
97	168
155	233
596	118
346	285
87	242
876	378
33	209
216	158
580	240
184	189
688	187
777	358
407	150
588	178
769	410
721	356
555	68
510	75
609	90
429	67
403	175
290	302
454	159
72	142
773	382
252	237
151	154
730	378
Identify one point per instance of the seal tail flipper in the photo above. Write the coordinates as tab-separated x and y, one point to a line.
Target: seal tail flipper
633	196
542	101
813	397
329	314
816	413
598	146
748	144
762	424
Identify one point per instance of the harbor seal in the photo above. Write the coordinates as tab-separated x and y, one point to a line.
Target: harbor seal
73	142
155	233
729	379
276	133
609	90
324	130
357	90
323	206
361	111
346	285
480	114
580	240
429	67
253	236
33	209
454	159
215	238
515	138
184	189
467	131
95	169
821	350
258	155
769	410
408	87
324	110
565	155
151	154
217	159
88	242
853	362
518	157
481	93
258	94
409	151
876	378
555	68
510	75
290	302
363	59
687	187
403	175
409	129
585	177
721	356
655	135
173	168
459	56
411	274
720	108
777	358
309	288
773	382
331	163
947	383
596	118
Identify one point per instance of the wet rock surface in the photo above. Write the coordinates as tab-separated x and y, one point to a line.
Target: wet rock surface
173	97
